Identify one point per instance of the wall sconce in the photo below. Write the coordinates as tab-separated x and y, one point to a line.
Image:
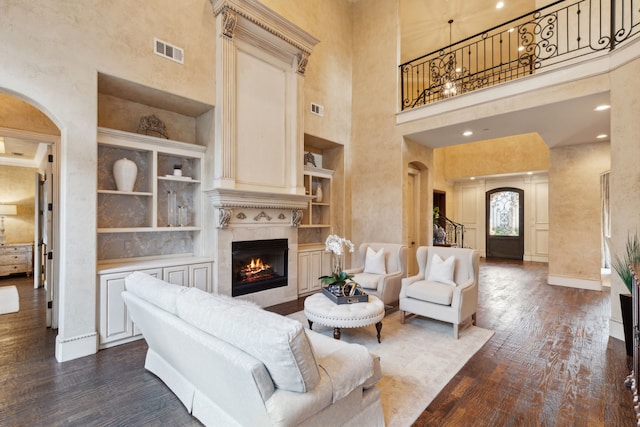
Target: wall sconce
6	210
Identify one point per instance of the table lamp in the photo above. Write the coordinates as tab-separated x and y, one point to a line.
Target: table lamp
6	210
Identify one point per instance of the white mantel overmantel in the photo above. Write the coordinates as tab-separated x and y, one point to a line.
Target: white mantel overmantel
241	207
260	63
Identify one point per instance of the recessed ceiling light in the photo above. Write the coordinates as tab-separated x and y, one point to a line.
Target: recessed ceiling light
520	48
529	173
602	136
467	133
500	5
472	178
602	107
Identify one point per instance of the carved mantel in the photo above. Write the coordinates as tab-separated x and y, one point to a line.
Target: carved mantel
240	207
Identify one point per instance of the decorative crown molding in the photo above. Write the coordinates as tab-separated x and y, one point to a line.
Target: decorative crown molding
257	14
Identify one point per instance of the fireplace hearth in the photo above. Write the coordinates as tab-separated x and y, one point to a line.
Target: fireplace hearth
258	265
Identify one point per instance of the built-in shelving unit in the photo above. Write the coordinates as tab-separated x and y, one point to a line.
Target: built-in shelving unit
135	232
317	183
146	208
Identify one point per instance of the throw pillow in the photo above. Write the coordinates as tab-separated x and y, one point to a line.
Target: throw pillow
442	271
374	262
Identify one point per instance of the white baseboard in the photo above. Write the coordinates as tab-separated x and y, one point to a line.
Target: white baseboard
616	330
572	282
76	347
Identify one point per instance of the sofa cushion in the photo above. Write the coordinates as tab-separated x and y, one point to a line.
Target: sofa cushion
349	365
279	342
366	280
442	271
156	291
374	262
435	292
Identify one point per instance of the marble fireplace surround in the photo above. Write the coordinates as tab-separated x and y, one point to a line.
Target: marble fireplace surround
242	215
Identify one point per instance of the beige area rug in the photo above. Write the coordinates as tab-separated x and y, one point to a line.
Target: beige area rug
418	359
9	302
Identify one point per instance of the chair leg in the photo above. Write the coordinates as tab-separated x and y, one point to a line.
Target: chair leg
455	330
402	314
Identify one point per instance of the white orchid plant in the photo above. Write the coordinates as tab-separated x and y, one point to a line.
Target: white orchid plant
337	246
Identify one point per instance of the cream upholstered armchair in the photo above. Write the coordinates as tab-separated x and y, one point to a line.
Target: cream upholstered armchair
384	265
446	287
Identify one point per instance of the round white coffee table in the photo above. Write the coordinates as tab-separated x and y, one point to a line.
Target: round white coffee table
318	308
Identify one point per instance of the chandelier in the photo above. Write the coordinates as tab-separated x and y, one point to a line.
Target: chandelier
450	76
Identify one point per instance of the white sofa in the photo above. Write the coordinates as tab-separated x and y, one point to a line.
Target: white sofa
232	363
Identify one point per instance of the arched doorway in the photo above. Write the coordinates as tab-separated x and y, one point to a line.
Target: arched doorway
31	141
505	223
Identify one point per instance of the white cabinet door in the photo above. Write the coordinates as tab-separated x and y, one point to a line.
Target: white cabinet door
303	272
178	275
315	270
200	276
115	323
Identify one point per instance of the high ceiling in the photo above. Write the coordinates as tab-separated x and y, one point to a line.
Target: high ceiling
424	24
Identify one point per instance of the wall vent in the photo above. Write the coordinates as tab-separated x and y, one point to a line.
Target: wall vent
317	109
169	51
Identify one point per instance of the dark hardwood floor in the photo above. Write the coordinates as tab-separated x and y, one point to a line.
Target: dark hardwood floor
550	363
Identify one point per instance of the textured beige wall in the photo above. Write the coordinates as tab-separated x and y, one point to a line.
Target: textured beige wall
17	187
522	153
329	71
121	114
17	114
378	169
625	172
574	205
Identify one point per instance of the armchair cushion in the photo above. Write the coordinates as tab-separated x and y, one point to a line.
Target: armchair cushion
374	261
442	271
367	280
435	292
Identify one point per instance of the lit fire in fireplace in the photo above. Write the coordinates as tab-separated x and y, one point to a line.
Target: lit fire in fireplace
255	270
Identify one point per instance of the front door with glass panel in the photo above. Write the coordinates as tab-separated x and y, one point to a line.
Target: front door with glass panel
505	223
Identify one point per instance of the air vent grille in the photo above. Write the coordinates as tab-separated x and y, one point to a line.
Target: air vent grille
168	51
317	109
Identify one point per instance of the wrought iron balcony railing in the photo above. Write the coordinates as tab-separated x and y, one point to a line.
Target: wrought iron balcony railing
560	33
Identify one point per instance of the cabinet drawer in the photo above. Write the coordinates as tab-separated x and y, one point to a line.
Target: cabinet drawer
13	259
11	269
10	250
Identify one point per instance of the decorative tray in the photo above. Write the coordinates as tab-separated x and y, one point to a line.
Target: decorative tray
336	294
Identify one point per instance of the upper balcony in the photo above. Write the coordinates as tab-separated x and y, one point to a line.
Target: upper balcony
560	43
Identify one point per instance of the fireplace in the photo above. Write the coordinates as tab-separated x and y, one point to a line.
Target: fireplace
258	265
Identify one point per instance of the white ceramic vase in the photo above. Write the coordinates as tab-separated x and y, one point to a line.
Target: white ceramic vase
319	194
125	172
